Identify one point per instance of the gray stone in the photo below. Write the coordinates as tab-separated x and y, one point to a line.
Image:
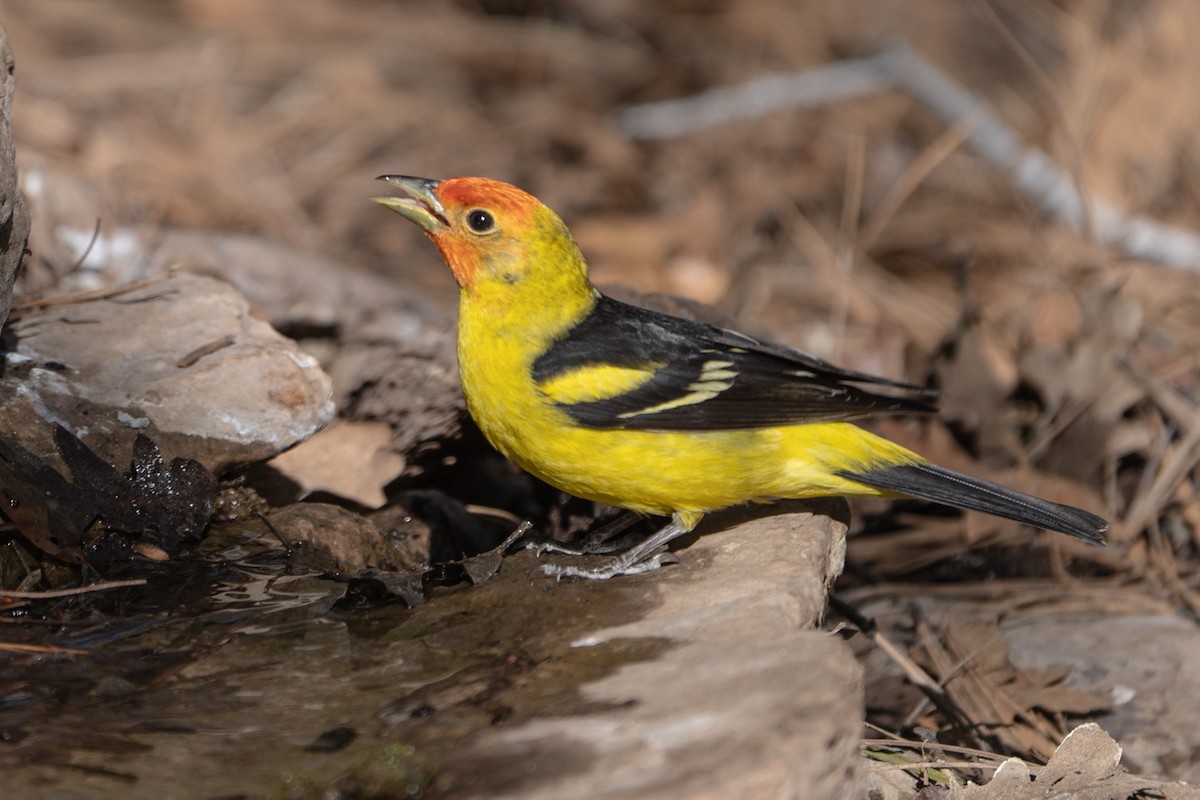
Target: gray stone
180	360
346	543
386	341
748	701
389	346
1148	664
1086	766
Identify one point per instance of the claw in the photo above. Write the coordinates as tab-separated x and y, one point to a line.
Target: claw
651	564
615	567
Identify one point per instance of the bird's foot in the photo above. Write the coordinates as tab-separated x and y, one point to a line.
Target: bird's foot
632	562
541	548
621	565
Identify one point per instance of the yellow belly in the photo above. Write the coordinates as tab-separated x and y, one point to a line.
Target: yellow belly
663	472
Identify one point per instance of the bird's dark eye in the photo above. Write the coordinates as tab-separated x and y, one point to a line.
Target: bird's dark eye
480	221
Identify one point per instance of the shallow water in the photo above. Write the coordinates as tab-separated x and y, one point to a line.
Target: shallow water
242	677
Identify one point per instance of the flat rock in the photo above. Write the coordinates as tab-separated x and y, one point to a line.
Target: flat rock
1086	766
1149	666
180	360
747	700
705	679
387	341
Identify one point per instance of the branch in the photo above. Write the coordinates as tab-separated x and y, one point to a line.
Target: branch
1034	173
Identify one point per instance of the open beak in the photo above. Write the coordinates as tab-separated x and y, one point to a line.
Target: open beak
420	206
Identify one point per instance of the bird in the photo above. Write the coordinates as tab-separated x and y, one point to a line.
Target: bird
657	414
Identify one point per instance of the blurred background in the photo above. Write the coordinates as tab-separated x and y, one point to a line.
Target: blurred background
864	229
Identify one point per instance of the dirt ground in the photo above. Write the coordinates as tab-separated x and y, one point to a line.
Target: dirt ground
865	229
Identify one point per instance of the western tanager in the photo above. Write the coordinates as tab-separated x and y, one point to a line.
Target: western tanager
654	413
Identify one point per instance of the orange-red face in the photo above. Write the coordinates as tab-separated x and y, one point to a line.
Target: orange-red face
481	226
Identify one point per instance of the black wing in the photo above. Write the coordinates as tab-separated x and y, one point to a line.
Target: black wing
708	378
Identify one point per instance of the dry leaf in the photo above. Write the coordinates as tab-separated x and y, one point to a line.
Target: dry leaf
348	459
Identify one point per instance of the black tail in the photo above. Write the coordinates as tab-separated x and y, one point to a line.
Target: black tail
938	485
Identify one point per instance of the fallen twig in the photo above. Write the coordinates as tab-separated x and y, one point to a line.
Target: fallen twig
900	66
91	587
495	513
932	689
26	304
985	759
39	649
811	88
1177	463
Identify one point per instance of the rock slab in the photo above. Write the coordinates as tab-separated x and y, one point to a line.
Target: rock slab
1148	663
747	701
180	360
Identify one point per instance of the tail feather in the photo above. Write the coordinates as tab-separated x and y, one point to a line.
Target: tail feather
936	484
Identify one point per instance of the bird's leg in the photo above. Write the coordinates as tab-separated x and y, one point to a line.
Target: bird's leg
610	537
633	561
543	546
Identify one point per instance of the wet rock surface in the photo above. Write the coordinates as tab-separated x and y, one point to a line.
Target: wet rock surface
180	360
747	699
704	679
344	542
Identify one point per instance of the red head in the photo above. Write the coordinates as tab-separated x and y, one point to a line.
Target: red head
485	229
